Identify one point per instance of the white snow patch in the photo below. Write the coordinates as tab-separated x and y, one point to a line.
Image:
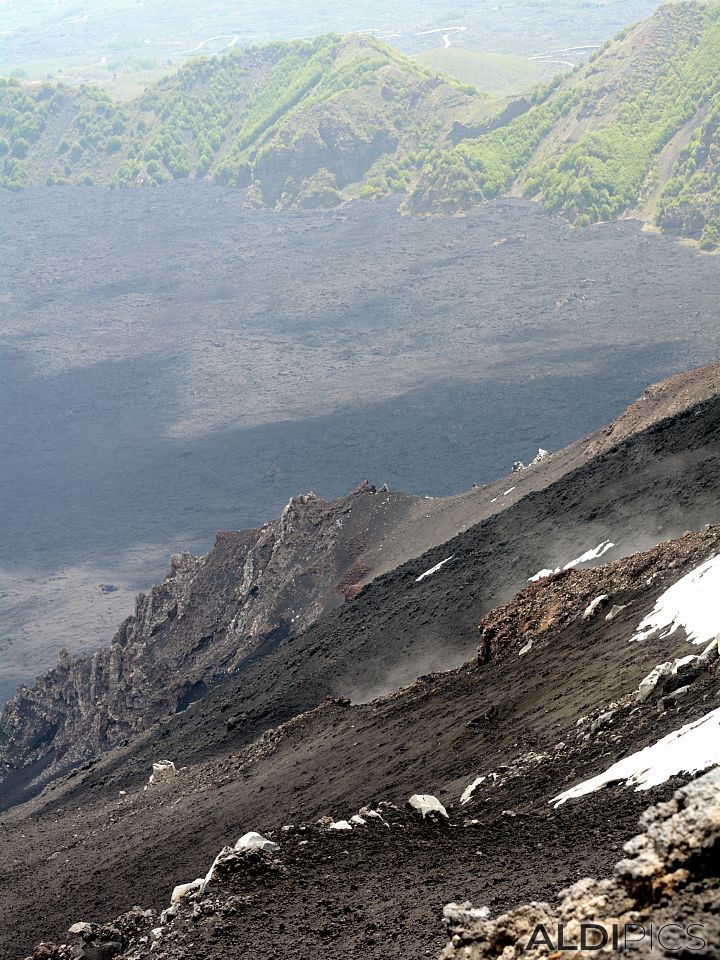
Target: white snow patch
691	603
692	748
432	570
594	554
469	791
340	825
508	491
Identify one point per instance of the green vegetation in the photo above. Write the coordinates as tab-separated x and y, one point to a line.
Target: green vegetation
591	148
300	122
312	123
690	202
603	174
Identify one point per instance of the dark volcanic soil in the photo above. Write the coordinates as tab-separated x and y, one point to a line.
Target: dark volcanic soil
375	893
173	364
650	488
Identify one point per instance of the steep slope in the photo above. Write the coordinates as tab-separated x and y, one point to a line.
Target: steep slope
210	615
594	145
218	614
690	201
650	487
508	718
669	873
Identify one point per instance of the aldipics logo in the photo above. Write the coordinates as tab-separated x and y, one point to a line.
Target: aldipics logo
622	937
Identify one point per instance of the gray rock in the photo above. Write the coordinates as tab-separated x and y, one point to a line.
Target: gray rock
679	840
594	606
614	611
602	721
254	841
183	889
649	683
427	805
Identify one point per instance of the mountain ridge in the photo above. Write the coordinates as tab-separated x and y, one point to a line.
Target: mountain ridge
254	597
312	124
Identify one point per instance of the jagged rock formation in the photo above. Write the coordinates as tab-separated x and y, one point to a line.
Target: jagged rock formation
201	623
280	742
668	883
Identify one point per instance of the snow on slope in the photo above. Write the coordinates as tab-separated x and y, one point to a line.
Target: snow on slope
694	747
692	603
593	554
432	570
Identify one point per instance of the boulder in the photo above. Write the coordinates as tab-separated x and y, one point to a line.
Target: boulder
427	805
539	457
183	889
594	605
254	841
672	673
614	611
649	683
162	770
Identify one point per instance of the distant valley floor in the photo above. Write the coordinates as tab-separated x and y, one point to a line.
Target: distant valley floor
173	363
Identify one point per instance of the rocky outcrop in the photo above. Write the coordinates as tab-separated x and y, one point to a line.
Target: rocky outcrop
207	617
343	146
553	602
666	891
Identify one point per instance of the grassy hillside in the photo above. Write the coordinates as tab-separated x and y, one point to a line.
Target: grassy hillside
595	146
299	122
500	74
312	123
